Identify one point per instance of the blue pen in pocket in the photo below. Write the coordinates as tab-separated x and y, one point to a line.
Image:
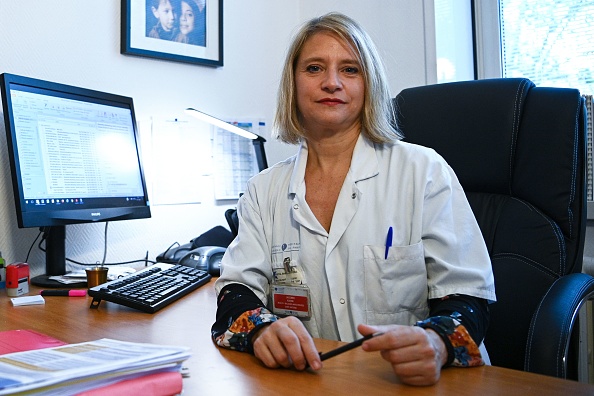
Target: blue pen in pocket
388	242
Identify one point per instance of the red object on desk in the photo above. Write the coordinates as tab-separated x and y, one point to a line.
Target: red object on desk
25	340
158	384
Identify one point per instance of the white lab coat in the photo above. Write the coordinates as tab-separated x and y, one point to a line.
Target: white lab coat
437	250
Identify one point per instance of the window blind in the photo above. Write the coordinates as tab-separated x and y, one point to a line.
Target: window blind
590	129
550	42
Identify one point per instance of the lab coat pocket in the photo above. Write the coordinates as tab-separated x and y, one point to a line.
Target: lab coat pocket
397	285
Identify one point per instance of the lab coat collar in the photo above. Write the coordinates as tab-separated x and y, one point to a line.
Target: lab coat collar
298	175
364	163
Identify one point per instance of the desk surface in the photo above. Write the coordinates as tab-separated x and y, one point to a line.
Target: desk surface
217	371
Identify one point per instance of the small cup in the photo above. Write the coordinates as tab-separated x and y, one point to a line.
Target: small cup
96	276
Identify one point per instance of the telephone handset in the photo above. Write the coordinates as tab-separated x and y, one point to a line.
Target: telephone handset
216	236
173	254
203	252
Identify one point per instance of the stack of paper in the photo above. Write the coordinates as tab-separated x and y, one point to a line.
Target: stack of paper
75	368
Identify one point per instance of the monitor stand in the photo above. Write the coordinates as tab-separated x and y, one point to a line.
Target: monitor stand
55	260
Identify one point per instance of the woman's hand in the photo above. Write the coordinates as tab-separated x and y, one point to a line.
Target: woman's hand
416	355
286	343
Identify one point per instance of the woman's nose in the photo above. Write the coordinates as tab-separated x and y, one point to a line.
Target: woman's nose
332	80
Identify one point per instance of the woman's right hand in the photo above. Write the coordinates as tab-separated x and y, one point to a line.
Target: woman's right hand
286	343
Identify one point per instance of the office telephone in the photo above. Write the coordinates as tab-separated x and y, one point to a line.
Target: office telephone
205	258
173	254
203	252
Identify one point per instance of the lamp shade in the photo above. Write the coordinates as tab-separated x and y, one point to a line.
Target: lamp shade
257	139
221	124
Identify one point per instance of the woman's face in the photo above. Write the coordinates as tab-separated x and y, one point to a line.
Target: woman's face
329	85
186	21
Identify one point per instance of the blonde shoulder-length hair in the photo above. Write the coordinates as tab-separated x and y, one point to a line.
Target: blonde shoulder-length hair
378	119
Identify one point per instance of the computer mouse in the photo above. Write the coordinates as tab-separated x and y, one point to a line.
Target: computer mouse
205	258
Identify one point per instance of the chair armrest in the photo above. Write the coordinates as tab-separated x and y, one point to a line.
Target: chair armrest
551	326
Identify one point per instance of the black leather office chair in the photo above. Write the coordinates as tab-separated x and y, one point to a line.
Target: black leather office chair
519	152
232	220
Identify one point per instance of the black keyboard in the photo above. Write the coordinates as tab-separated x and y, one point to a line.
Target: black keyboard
151	288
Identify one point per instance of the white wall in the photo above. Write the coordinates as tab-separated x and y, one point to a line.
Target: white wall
77	42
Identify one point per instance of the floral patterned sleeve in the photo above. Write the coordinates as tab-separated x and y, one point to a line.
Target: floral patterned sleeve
461	321
239	313
462	350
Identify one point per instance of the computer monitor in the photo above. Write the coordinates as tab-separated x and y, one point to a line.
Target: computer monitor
74	157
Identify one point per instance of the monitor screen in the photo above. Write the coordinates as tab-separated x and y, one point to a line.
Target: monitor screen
74	157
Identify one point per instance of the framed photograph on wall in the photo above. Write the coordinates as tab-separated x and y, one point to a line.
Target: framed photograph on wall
188	31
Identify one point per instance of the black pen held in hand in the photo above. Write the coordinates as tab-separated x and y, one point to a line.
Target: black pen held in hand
347	347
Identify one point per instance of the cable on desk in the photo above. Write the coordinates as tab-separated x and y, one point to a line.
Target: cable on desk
46	230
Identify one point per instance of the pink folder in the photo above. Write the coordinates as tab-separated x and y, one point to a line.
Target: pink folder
25	340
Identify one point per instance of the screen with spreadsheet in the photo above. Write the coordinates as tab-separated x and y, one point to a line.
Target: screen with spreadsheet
74	154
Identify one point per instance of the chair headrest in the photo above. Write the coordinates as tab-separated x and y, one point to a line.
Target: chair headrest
505	136
483	121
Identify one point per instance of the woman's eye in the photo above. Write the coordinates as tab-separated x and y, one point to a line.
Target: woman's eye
351	70
312	68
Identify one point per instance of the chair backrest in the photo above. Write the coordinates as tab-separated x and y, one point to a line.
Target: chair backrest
232	220
519	152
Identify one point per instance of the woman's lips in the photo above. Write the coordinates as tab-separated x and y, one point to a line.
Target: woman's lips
331	101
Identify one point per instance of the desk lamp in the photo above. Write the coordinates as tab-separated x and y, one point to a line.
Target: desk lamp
256	139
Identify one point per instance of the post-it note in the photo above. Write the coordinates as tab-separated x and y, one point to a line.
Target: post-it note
27	300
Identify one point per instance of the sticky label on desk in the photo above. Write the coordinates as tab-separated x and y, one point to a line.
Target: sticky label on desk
27	300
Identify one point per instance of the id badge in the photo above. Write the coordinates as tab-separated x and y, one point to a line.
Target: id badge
291	300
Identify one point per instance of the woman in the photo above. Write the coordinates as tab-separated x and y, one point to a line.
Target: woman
357	233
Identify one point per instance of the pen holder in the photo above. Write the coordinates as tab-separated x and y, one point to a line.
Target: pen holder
96	276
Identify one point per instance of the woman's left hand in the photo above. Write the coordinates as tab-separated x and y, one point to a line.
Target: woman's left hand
416	354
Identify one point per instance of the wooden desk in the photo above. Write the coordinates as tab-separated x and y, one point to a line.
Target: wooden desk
223	372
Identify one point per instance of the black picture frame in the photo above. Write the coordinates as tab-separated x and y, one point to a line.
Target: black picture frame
143	34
